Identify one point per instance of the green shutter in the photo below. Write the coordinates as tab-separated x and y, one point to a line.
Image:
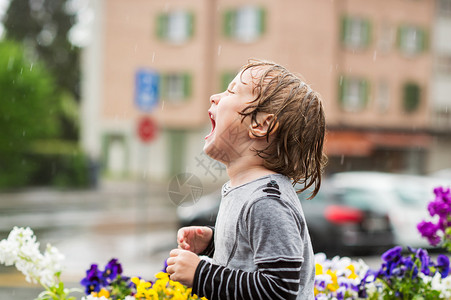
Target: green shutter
342	88
424	40
162	25
229	23
191	24
364	92
226	78
411	96
187	85
367	32
262	20
344	29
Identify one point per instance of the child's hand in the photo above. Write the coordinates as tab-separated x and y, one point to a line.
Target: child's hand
182	265
194	238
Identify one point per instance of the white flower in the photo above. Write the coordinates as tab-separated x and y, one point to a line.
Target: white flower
443	285
320	258
90	297
22	250
129	298
8	253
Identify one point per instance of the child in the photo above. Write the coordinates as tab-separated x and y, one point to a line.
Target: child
268	129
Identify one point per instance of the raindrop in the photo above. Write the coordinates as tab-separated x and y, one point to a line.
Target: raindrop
136	48
162	105
21	71
342	160
374	55
341	80
219	50
31	67
153	56
23	133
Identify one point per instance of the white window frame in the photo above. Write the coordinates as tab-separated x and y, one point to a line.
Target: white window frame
356	32
245	24
354	96
411	39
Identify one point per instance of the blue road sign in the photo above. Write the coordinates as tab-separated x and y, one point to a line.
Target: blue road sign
147	91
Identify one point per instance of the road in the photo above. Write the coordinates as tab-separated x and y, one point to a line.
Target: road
132	221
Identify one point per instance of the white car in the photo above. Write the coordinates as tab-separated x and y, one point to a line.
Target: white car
403	197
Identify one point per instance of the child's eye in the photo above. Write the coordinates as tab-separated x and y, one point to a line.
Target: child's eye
230	92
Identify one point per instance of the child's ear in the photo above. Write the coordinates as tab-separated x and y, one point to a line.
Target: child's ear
261	126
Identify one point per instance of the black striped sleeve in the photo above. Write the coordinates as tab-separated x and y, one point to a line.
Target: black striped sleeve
275	280
210	250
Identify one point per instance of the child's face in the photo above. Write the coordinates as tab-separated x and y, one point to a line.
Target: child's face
229	136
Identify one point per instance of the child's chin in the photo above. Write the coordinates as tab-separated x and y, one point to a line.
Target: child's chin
208	147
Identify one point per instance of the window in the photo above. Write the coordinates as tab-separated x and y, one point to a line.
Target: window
245	24
353	94
411	97
176	88
175	27
355	32
411	39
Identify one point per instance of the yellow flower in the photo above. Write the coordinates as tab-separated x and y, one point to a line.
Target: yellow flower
353	274
318	269
103	292
334	285
162	275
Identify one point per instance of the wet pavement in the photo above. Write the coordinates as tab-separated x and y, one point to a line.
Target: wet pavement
132	221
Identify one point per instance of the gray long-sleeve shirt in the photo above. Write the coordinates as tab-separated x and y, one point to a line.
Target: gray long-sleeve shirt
262	248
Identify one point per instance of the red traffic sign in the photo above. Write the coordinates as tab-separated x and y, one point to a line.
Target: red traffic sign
147	129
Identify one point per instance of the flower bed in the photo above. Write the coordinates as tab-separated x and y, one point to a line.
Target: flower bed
411	274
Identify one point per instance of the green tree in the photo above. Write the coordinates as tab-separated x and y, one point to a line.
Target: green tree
29	112
43	27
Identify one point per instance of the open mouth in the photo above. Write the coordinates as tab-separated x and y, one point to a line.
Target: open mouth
213	124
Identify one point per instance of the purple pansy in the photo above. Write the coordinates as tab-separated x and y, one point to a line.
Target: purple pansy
443	265
392	255
112	269
93	280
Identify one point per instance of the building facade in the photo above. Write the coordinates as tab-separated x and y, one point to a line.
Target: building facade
152	66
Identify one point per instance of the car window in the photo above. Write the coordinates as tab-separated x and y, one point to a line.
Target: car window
413	195
366	199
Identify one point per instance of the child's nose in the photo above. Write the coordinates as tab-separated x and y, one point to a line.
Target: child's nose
215	98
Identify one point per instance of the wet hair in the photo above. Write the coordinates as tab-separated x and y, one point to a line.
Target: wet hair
296	133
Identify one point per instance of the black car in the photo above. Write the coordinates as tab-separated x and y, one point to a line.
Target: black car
338	224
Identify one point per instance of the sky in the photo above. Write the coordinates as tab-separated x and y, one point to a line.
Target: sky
79	34
3	7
